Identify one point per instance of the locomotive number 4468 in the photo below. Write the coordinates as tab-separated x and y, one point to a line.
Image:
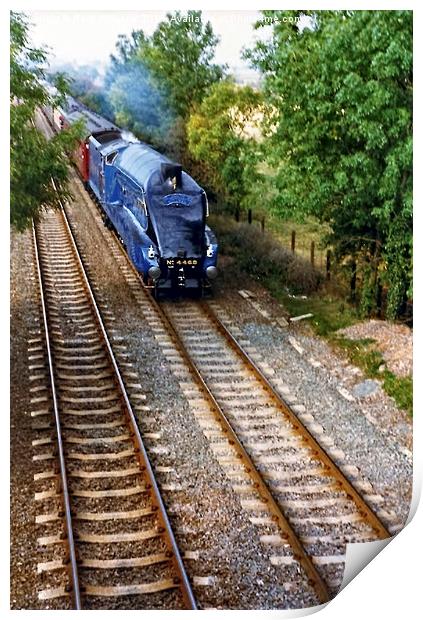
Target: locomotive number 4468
171	262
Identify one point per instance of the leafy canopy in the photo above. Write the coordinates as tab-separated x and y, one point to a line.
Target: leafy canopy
179	56
221	133
339	138
34	160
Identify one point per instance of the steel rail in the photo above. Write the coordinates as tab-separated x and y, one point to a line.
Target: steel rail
299	552
165	526
76	593
311	441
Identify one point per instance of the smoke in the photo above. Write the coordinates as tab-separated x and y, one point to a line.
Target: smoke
127	95
129	136
138	104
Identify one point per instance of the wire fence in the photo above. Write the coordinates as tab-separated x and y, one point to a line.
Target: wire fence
319	258
345	275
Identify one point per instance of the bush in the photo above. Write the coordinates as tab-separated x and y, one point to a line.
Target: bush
263	257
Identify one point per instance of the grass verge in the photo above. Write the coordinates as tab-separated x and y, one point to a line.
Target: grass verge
301	290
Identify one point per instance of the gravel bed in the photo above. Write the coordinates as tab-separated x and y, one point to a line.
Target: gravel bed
204	510
374	435
198	333
171	599
23	553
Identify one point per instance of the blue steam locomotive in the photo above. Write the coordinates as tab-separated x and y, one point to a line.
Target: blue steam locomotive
157	209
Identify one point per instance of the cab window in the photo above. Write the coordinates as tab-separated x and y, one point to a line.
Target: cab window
111	157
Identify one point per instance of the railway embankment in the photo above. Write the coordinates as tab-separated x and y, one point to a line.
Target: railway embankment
382	350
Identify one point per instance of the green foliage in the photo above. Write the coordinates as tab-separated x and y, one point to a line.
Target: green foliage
339	137
34	160
179	56
401	389
220	133
359	354
367	298
154	81
329	313
398	253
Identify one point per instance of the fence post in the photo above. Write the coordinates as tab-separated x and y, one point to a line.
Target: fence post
293	242
250	216
262	223
353	281
312	253
328	258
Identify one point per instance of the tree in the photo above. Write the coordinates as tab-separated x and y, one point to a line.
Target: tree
179	56
154	81
221	134
34	160
340	136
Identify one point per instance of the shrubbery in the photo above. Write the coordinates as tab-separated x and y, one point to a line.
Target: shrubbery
263	257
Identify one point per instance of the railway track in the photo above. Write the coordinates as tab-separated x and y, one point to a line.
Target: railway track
107	541
304	506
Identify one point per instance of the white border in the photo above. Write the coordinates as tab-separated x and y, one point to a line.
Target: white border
389	586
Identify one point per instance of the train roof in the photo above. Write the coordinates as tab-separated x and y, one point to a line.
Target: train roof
144	165
93	121
99	121
90	125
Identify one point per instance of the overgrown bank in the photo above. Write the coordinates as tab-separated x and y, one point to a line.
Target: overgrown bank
302	289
